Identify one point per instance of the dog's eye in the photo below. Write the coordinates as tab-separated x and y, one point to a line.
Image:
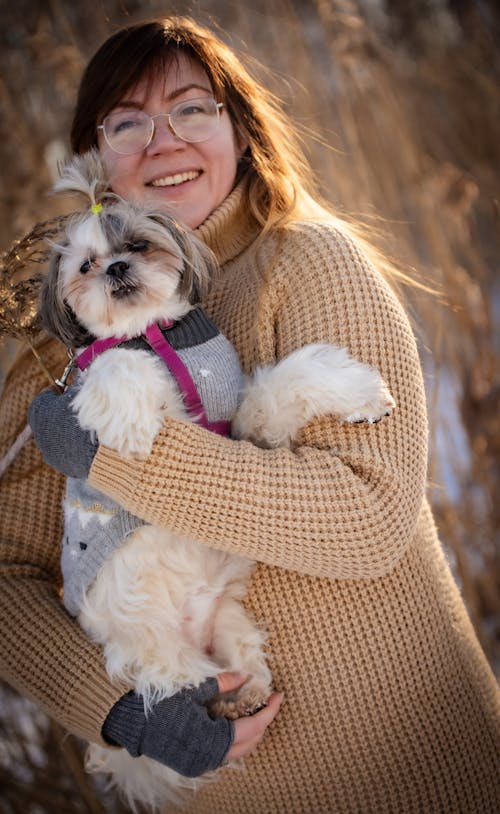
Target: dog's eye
85	267
138	246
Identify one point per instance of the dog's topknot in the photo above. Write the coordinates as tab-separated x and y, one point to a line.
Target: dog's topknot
85	175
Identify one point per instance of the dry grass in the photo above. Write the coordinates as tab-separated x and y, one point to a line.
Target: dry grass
408	106
41	767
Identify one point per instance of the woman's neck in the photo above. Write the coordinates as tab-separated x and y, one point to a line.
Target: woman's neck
229	229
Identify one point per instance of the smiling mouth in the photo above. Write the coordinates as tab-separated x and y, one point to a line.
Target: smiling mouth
175	180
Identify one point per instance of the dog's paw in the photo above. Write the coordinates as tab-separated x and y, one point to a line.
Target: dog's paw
251	697
379	407
124	399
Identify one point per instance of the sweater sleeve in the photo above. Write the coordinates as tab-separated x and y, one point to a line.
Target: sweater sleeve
345	502
44	654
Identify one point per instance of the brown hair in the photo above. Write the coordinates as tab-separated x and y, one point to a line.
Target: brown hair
276	177
273	170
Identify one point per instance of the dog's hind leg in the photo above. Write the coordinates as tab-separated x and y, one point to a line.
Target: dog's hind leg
314	381
238	644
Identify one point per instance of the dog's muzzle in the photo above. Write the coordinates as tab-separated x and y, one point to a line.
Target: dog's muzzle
118	279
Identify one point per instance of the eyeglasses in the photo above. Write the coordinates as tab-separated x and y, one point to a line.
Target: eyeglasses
130	131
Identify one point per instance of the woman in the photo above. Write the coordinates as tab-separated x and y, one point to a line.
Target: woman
391	705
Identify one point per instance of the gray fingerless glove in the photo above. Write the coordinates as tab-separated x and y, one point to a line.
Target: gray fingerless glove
178	731
58	435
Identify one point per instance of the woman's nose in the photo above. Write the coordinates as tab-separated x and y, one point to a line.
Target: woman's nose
164	136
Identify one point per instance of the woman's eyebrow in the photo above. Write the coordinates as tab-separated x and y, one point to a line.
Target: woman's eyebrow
179	91
129	103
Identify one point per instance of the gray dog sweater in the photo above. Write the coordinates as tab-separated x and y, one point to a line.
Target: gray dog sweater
94	524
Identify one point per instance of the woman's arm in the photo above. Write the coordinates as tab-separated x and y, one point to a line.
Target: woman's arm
345	503
43	652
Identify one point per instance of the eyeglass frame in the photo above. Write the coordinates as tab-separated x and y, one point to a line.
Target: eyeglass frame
218	107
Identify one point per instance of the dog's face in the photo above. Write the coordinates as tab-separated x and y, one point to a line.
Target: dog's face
118	271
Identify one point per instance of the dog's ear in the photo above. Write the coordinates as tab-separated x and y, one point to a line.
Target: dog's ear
200	269
56	315
200	266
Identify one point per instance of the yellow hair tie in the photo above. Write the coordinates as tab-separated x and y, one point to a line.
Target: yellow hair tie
96	208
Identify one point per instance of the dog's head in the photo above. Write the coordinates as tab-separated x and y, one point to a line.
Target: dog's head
120	266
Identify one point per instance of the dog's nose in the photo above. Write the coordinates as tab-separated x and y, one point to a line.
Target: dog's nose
117	269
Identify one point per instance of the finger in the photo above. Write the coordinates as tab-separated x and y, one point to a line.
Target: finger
245	739
231	681
242	749
254	726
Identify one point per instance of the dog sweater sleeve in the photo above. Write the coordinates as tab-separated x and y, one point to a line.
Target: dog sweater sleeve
178	732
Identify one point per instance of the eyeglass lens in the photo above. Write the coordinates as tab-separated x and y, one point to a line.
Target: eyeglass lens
130	131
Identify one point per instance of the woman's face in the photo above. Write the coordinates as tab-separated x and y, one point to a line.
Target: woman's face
157	175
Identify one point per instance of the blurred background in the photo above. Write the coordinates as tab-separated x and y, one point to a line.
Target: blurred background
399	105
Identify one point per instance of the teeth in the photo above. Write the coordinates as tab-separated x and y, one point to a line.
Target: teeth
173	180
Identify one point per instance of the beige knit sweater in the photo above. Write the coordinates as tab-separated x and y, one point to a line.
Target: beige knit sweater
390	704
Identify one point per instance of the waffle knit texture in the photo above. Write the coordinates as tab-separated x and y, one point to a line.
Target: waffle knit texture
390	705
95	525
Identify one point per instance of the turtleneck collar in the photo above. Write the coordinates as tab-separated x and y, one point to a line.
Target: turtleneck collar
228	230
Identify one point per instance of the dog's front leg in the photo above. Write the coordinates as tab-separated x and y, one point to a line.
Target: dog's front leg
124	398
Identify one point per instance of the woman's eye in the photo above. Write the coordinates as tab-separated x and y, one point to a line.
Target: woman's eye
191	110
128	124
85	267
126	120
138	246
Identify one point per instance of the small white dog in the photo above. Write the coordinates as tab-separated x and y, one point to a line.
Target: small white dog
126	282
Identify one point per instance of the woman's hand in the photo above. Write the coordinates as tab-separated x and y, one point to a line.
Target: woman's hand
248	732
58	435
179	732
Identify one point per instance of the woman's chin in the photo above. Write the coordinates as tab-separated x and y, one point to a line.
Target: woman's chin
183	203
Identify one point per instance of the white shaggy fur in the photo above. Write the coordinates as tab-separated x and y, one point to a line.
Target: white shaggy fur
313	381
168	610
141	779
168	614
125	399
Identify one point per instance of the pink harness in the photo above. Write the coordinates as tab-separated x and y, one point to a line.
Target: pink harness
176	366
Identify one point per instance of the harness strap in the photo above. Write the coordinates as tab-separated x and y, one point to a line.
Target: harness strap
174	363
91	352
